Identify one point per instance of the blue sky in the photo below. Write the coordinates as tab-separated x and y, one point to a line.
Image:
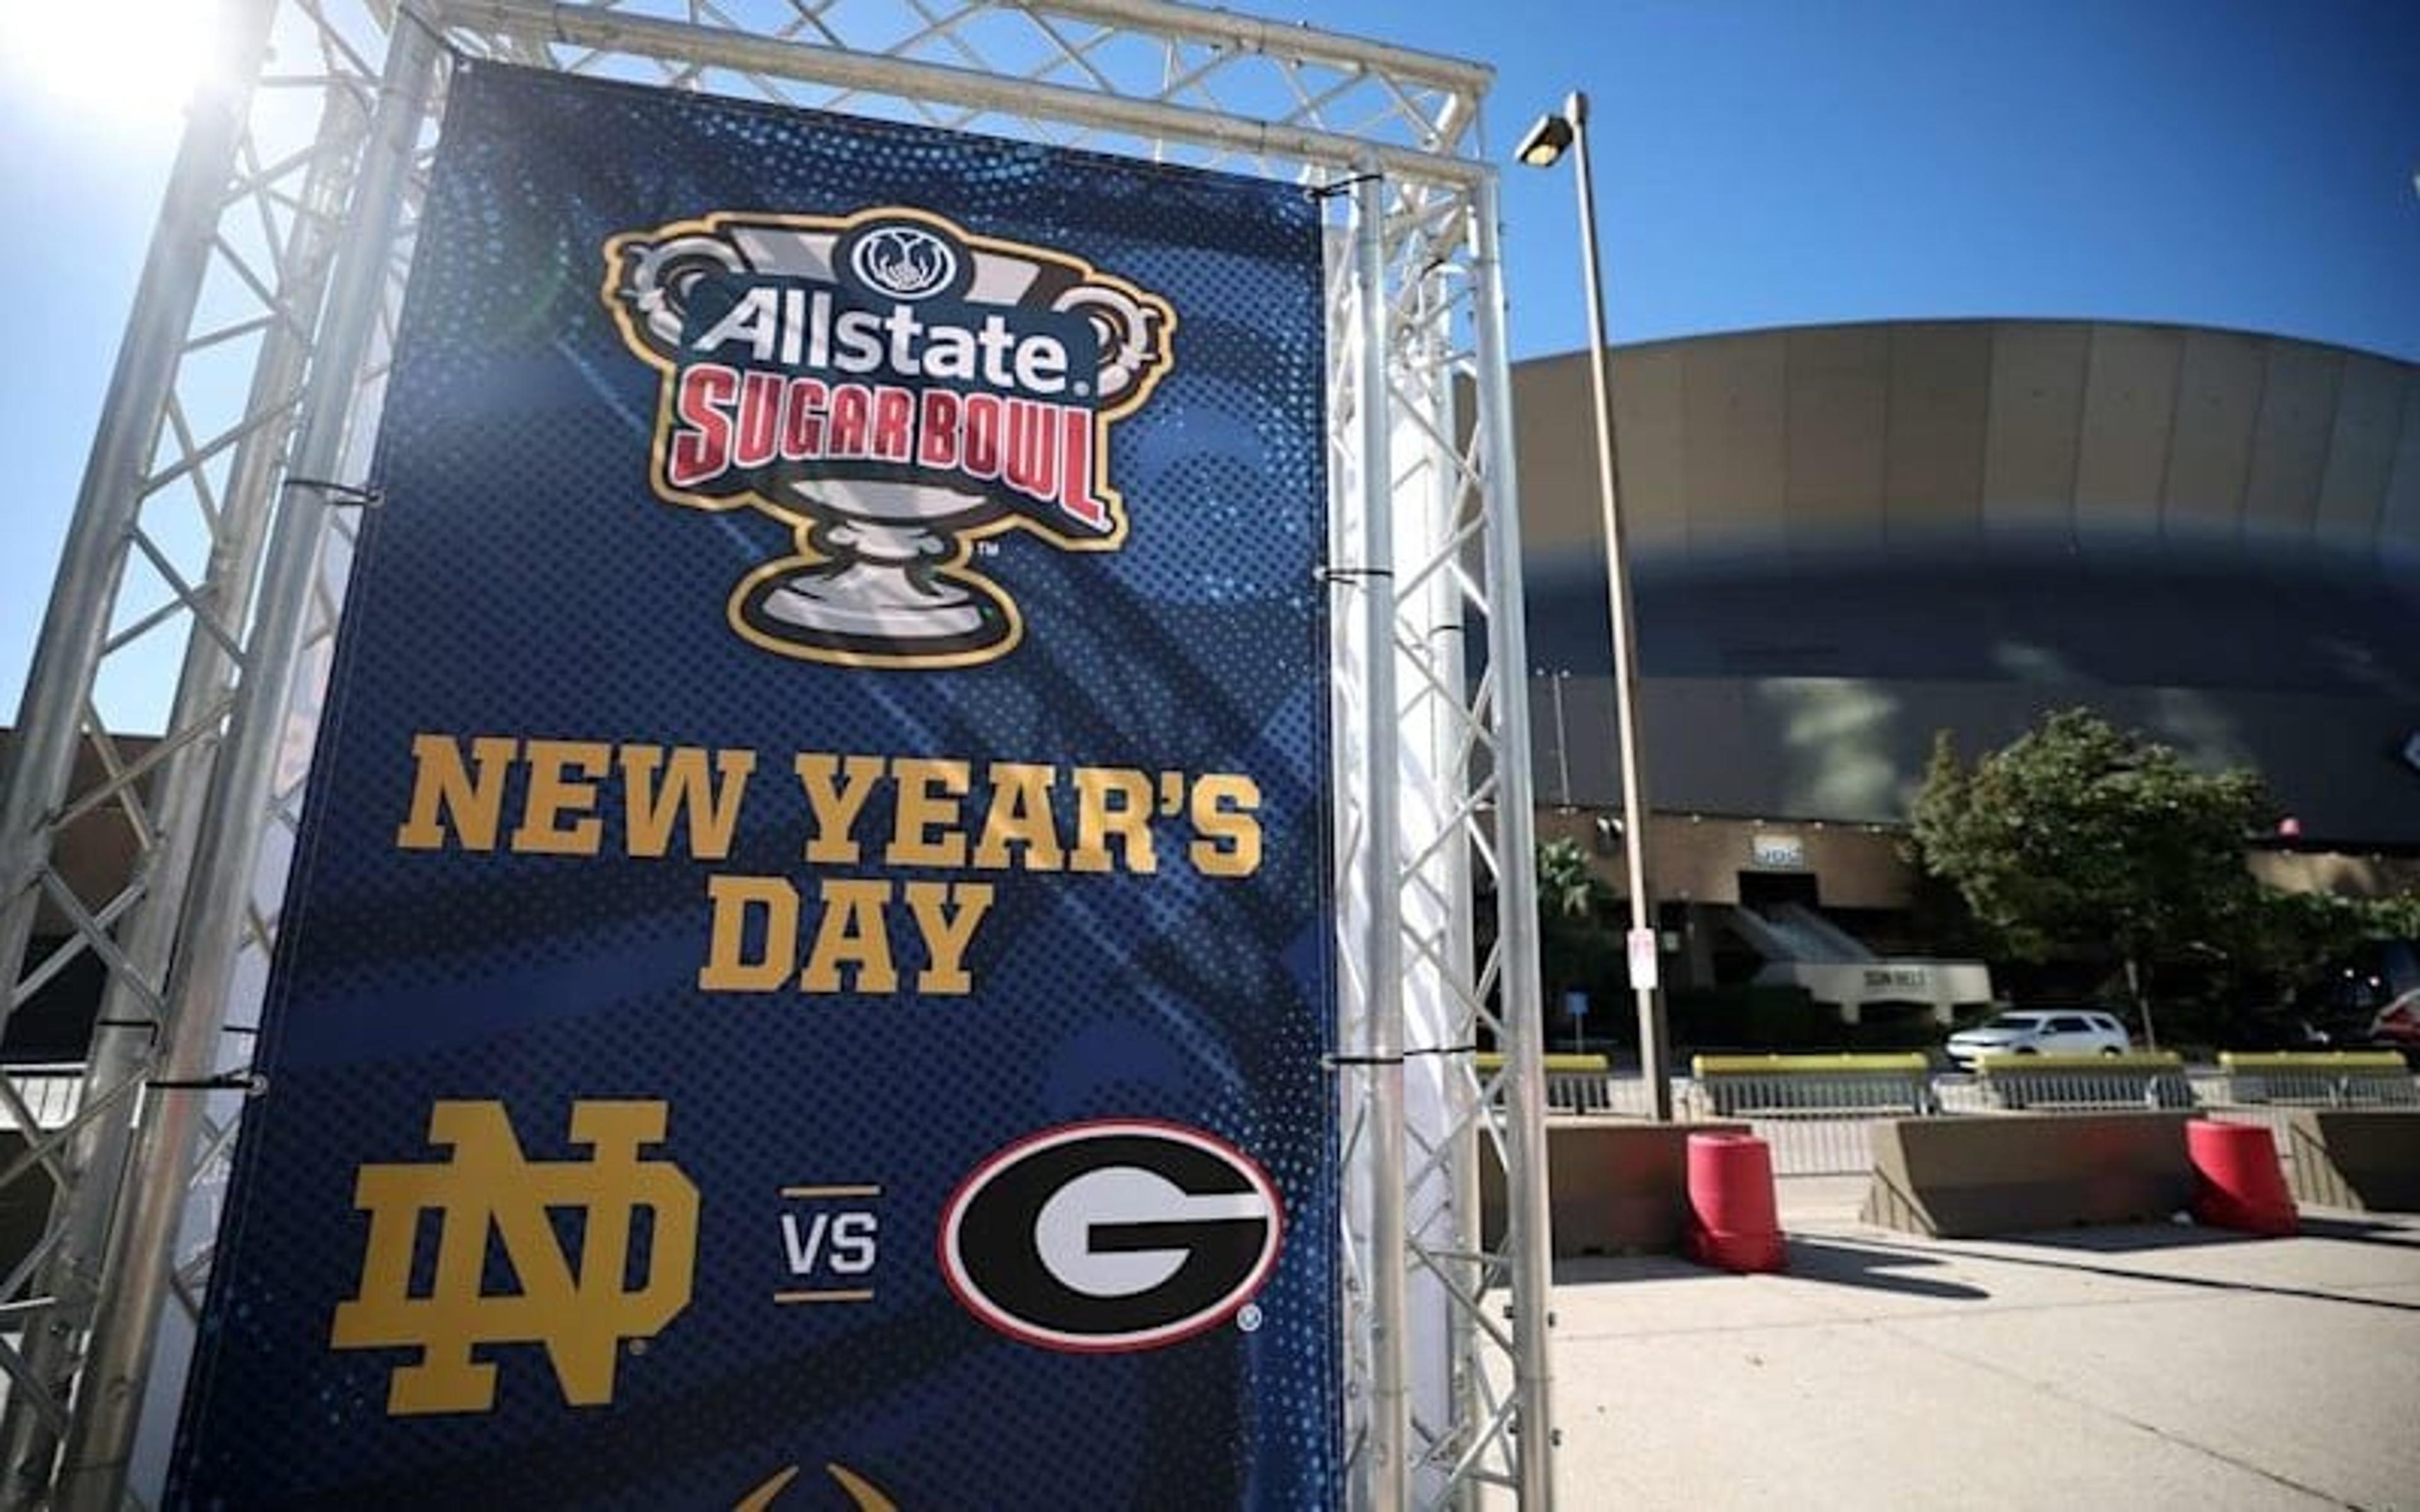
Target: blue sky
1759	163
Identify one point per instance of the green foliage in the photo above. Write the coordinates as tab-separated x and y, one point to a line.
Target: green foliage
2395	916
1567	889
2077	833
2287	939
1575	950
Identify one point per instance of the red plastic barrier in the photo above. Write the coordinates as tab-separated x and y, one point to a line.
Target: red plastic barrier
2237	1180
1732	1222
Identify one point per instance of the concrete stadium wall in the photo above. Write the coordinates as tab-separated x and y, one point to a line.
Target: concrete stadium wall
1854	749
1844	538
1869	437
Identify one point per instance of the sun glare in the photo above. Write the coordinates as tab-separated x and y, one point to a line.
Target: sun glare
118	66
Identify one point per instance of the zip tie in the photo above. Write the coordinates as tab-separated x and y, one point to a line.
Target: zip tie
252	1084
342	494
1331	191
1349	574
1335	1062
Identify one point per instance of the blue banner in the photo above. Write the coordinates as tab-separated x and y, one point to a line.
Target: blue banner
807	970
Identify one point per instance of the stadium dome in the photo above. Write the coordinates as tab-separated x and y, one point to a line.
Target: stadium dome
1844	538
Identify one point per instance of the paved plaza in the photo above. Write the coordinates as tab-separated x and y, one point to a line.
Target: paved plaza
2162	1366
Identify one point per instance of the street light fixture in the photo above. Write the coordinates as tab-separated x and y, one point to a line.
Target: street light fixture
1543	149
1548	139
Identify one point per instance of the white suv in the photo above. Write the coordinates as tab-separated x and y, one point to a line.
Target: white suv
2040	1031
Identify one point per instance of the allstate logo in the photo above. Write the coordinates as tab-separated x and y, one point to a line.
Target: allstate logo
906	262
893	388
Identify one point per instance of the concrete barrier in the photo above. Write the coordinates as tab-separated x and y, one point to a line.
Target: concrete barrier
1616	1186
2365	1159
1962	1178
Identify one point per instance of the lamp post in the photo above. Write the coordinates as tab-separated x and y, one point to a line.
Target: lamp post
1542	149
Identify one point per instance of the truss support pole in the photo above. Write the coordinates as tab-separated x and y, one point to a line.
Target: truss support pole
1418	810
1383	1051
67	657
142	1249
1528	1233
1443	617
123	1045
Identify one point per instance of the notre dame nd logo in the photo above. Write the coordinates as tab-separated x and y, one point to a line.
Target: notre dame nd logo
579	1316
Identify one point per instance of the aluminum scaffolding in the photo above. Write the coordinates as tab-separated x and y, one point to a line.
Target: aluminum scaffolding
214	526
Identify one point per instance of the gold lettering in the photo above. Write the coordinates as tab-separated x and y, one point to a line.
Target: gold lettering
1228	845
441	784
1115	801
921	810
1021	815
837	804
651	805
946	938
852	933
728	967
554	795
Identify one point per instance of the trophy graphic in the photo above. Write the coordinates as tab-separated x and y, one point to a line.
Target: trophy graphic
893	388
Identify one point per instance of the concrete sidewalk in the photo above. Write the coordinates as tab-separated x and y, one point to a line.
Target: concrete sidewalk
2167	1366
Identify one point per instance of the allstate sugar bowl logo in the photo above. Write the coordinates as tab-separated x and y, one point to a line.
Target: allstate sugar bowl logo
893	388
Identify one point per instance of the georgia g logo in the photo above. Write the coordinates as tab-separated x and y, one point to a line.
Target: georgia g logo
892	386
1113	1235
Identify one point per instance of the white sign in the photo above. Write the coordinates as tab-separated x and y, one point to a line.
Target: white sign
1785	852
2411	752
1642	960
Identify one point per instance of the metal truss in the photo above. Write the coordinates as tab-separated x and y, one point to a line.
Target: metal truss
214	535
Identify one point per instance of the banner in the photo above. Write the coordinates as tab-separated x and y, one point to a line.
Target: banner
807	968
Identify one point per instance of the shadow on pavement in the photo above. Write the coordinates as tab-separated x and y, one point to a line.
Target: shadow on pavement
1595	1270
2355	1231
1878	1269
1827	1260
2127	1239
2086	1241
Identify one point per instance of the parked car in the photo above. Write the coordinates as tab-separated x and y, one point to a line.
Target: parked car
2040	1031
2283	1031
2397	1026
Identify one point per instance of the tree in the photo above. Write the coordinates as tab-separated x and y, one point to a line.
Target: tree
2079	835
1572	941
2294	940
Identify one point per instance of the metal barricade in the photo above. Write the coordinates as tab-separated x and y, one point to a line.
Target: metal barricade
2079	1084
2339	1079
1574	1083
1812	1111
49	1093
2267	1087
